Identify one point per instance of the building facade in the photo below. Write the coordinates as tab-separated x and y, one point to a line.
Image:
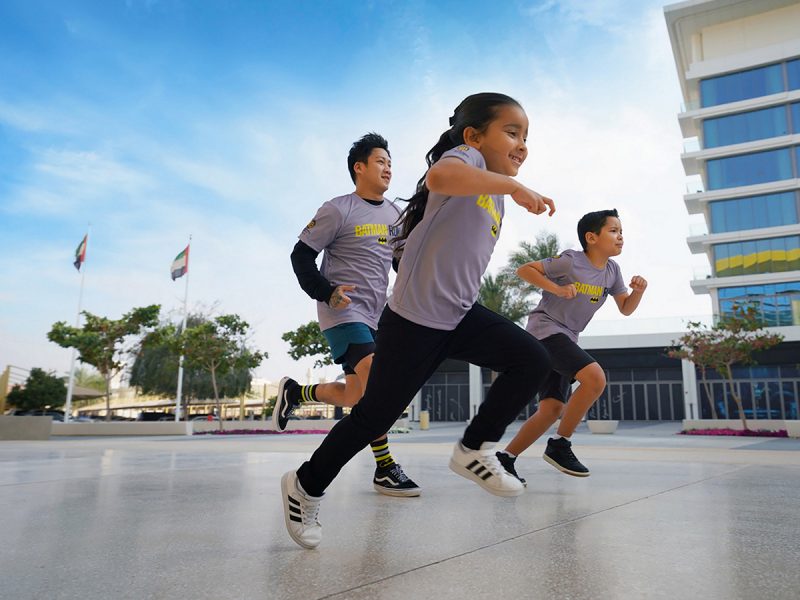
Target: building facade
739	70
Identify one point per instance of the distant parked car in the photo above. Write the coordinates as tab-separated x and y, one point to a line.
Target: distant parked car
205	418
57	416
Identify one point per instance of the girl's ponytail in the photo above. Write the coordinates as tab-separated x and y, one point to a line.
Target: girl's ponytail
413	213
475	111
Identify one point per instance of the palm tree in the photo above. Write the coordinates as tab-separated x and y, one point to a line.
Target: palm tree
507	294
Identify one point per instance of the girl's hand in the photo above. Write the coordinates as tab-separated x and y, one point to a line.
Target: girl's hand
638	284
567	291
339	299
532	201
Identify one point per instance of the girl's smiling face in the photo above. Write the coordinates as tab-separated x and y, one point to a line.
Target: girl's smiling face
503	142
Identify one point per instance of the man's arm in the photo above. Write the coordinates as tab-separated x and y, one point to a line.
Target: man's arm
313	283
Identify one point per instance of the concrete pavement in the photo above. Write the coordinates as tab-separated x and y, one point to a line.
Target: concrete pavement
662	516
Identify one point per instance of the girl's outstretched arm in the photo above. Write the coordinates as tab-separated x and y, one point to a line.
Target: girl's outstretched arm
453	177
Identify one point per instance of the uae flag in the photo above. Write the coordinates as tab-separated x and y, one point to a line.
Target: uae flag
80	253
180	266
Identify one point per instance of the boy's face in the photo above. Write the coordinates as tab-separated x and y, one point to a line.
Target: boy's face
609	241
376	174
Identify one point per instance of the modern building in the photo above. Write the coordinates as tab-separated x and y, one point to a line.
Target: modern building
739	70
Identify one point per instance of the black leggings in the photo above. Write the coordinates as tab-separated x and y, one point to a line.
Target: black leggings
406	356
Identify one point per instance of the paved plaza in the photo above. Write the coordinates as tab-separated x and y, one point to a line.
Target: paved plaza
662	516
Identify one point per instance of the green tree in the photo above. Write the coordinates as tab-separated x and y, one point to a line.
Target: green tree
307	340
735	339
219	347
100	340
698	345
545	246
155	370
89	378
41	390
496	294
509	295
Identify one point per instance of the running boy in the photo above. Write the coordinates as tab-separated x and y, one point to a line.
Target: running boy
574	286
354	233
449	230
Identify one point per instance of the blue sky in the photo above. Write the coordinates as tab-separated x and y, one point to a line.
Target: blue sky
231	121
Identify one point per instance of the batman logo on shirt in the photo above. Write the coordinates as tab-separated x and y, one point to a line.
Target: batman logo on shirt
382	239
311	224
494	230
594	299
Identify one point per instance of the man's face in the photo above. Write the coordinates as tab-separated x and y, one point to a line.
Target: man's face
376	174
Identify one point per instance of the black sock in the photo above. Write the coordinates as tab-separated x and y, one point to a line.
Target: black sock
308	393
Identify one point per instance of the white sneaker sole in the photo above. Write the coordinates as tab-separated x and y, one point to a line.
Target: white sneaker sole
467	474
562	469
279	404
285	495
397	492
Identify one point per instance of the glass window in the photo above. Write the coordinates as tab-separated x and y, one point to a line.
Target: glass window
745	127
795	117
742	85
770	255
793	73
777	303
749	169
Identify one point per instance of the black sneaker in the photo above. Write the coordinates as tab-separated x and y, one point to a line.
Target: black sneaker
559	454
392	481
507	461
288	399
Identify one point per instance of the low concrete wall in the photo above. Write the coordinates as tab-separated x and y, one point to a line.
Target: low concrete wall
173	428
122	428
293	425
793	428
25	428
754	424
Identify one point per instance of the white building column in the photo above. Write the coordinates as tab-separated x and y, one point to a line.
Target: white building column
690	401
415	406
475	390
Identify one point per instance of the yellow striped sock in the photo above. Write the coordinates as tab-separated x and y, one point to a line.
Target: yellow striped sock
380	450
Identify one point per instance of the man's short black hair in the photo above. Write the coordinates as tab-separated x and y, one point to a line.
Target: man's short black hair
361	149
594	222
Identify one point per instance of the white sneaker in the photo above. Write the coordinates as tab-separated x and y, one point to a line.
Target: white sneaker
300	512
482	467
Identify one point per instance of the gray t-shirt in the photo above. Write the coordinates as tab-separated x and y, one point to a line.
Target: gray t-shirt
570	316
355	238
446	254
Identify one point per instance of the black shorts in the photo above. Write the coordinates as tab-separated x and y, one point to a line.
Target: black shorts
354	354
568	358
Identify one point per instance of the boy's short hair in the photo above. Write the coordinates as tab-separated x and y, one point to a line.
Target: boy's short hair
362	148
594	222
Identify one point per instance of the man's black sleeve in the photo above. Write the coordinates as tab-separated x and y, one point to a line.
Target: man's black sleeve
304	263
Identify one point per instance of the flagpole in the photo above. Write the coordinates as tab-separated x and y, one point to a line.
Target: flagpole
71	384
183	328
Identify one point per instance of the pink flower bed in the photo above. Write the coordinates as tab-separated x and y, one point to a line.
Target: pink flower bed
259	432
742	432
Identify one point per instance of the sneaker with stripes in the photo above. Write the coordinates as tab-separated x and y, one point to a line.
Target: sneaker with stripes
288	399
300	511
482	467
392	481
